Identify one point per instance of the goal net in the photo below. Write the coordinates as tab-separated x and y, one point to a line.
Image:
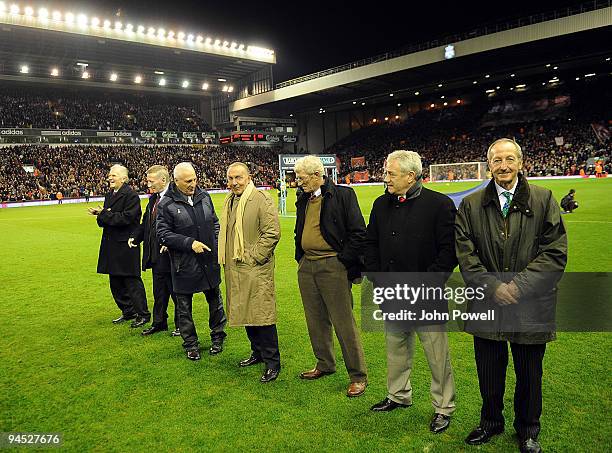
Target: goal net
462	171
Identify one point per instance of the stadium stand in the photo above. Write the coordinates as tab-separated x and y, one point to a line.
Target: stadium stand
55	108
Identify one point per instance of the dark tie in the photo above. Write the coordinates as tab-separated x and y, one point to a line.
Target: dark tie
154	210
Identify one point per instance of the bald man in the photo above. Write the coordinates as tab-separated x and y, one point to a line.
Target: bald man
118	218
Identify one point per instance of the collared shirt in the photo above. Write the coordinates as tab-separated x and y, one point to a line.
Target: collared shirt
501	190
163	192
316	193
190	200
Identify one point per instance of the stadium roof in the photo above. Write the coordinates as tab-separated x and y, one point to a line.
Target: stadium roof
72	43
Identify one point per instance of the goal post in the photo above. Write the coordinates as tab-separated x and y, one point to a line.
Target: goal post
461	171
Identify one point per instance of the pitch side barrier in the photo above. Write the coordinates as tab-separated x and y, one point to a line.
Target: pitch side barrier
96	199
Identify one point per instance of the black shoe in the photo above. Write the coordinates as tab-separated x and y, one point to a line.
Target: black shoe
216	348
153	329
530	446
439	423
250	361
139	322
193	355
481	436
123	318
176	333
269	375
387	405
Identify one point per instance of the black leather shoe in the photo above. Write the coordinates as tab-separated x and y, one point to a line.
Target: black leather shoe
269	375
139	322
193	355
387	405
153	329
530	446
216	348
250	361
123	318
176	333
481	436
439	423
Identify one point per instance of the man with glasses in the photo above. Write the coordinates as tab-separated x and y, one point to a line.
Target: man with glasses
329	237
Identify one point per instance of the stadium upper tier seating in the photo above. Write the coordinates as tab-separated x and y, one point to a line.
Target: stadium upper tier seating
65	109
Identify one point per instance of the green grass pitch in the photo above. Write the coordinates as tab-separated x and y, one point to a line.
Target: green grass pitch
65	368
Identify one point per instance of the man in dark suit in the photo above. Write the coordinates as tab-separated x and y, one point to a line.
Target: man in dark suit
411	229
155	257
511	241
118	217
188	226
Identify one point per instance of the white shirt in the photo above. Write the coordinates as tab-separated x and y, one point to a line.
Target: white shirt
163	192
190	201
316	193
501	190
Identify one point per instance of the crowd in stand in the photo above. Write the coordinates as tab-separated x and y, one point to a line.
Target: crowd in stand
77	171
58	109
444	138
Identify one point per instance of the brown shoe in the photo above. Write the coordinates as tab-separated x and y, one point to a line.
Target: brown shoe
356	389
315	373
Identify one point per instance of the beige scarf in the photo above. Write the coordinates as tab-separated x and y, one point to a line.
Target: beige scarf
238	253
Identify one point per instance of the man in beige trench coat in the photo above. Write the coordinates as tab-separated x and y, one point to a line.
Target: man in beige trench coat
249	233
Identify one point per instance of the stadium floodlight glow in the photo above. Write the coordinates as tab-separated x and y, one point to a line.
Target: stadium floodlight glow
391	94
141	29
399	105
222	80
577	78
137	79
200	39
129	28
556	67
181	35
432	105
161	33
190	38
162	82
458	101
522	85
208	41
416	93
374	120
386	118
57	16
291	115
354	102
591	74
2	7
170	34
151	31
95	22
107	24
14	9
113	77
608	59
439	85
205	86
226	43
241	47
85	75
24	69
233	45
43	13
512	75
82	20
475	82
445	104
159	72
185	83
118	25
490	91
217	42
363	103
554	80
69	18
441	97
28	11
224	89
548	65
397	117
54	72
230	89
487	76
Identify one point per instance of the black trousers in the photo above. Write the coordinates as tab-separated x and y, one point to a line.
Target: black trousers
216	318
264	344
492	362
130	296
162	292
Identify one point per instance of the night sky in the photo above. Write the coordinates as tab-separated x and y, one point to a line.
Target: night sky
310	36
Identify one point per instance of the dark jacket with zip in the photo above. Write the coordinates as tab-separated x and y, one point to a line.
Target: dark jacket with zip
119	218
342	225
178	225
147	234
528	247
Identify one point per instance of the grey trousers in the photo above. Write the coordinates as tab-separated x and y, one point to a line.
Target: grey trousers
328	303
400	352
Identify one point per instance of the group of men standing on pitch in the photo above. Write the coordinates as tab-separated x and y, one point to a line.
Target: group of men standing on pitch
501	237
